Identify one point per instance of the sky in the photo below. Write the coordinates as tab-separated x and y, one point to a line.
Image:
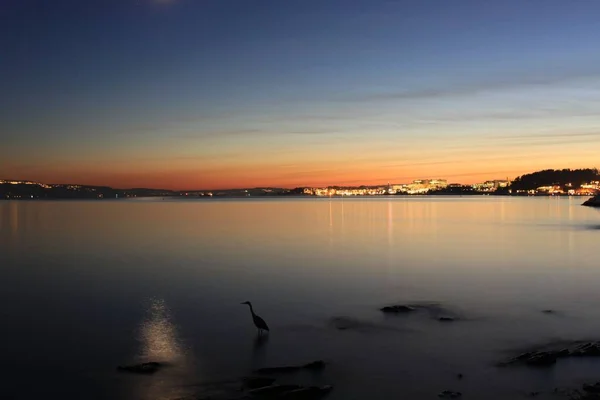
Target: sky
211	94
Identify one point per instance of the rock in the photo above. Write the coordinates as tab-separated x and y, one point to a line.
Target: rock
144	368
595	388
398	309
523	357
539	358
352	324
445	319
542	359
448	394
592	202
312	392
459	376
533	394
273	390
315	365
255	382
280	370
563	353
548	311
587	350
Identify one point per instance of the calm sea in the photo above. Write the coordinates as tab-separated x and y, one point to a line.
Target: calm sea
89	285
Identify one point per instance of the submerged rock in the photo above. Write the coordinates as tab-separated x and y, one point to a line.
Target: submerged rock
539	358
435	310
315	365
448	394
587	392
349	323
398	309
311	392
291	391
144	368
255	382
591	349
549	356
274	390
595	388
542	359
256	388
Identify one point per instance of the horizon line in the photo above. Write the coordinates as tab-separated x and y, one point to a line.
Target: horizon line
273	186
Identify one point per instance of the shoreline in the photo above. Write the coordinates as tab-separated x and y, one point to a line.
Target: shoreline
591	201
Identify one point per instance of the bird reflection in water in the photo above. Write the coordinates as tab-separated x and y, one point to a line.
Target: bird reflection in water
259	351
159	342
260	341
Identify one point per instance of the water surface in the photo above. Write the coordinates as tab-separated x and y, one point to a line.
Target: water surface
89	285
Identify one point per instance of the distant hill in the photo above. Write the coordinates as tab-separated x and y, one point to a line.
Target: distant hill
32	190
559	177
71	191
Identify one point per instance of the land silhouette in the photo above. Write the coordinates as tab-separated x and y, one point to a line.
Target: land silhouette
562	179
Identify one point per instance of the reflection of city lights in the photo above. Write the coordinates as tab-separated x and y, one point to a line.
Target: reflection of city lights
13	218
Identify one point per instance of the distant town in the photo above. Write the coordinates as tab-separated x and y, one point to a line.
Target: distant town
565	182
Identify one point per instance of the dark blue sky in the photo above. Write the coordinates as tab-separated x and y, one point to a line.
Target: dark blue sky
200	92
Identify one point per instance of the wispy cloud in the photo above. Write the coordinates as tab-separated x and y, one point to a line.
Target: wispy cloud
469	89
549	135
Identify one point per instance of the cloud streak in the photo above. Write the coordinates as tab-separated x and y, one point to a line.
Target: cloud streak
165	2
470	89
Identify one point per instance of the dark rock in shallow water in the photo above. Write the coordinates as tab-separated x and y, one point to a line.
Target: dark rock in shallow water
274	390
595	388
144	368
542	359
255	382
313	366
592	202
448	394
312	392
435	311
459	376
397	309
548	311
539	358
549	356
357	325
587	350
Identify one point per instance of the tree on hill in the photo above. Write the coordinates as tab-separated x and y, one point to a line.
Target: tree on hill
551	177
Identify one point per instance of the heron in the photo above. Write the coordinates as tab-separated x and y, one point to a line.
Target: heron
258	321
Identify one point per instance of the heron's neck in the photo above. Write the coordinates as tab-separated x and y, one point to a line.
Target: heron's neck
251	309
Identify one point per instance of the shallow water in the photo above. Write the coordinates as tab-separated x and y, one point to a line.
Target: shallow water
87	286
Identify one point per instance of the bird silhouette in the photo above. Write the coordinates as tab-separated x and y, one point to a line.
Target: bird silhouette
260	323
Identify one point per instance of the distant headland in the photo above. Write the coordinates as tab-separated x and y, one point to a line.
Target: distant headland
550	182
